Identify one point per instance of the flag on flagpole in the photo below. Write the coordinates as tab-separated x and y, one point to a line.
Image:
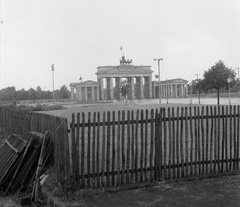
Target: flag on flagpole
120	48
156	76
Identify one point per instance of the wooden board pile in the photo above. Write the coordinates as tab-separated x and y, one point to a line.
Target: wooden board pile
19	159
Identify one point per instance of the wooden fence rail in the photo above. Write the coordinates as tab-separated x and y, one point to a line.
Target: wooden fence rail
18	122
116	148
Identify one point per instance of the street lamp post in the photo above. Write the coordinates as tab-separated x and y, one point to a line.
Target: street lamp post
53	79
190	93
229	80
198	88
158	59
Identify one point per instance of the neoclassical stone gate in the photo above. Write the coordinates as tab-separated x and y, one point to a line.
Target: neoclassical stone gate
139	79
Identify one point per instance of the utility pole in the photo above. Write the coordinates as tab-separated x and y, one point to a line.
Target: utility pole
53	79
198	88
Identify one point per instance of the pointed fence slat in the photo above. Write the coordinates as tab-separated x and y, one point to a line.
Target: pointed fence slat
136	147
211	139
113	148
146	146
94	150
181	143
151	147
177	144
108	149
186	140
123	181
207	138
230	138
128	147
164	144
132	149
118	149
191	140
77	157
83	151
103	150
141	149
170	145
98	150
174	143
234	139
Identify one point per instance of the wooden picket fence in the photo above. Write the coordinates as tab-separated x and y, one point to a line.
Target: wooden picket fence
19	122
125	147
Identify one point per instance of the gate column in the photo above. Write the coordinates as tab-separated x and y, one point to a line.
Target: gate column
111	88
72	94
101	91
150	86
141	88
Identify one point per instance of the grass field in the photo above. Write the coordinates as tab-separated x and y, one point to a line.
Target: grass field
138	105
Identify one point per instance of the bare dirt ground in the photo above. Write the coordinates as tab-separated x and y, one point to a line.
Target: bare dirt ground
216	192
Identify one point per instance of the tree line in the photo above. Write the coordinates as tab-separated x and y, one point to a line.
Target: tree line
215	80
11	94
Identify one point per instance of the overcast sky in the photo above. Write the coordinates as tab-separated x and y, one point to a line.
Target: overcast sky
77	36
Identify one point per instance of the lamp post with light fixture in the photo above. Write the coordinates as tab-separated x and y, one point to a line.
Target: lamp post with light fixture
158	59
229	80
53	79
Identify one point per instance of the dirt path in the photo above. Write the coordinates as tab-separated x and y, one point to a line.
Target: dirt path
216	192
221	191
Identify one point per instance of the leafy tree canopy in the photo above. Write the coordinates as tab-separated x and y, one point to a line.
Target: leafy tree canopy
216	77
10	93
64	92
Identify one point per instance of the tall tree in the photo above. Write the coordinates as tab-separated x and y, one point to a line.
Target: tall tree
32	94
8	93
216	77
21	94
64	92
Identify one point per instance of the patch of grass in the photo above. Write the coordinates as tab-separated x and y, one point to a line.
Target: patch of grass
37	107
42	107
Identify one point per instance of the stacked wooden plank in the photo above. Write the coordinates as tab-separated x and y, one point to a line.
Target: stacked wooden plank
19	155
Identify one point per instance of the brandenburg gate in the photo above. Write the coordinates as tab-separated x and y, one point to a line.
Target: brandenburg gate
139	79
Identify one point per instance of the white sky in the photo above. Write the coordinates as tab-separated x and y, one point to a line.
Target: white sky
77	36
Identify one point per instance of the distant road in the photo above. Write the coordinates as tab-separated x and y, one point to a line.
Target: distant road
211	101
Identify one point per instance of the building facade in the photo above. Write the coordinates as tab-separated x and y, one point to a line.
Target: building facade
139	79
174	88
85	91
